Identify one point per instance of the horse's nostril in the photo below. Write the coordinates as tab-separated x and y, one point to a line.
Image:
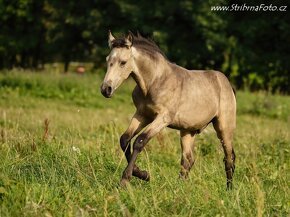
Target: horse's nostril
109	90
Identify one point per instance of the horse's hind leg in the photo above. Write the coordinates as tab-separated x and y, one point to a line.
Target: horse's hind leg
225	134
187	148
136	125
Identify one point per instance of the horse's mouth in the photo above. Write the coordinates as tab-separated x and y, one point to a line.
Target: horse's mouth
108	96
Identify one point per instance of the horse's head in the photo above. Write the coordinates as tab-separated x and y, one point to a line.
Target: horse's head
119	64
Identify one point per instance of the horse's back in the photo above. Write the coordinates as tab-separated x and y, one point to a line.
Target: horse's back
215	81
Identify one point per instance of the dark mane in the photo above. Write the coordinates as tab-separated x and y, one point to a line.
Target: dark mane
139	42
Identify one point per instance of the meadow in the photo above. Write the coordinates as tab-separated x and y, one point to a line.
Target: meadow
60	155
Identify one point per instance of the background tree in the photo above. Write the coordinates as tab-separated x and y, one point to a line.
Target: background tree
71	29
251	48
260	51
21	33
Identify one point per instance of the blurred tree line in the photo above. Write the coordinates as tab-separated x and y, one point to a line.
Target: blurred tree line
251	48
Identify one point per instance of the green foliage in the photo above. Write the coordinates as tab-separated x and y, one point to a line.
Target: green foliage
72	89
251	48
76	168
262	48
264	105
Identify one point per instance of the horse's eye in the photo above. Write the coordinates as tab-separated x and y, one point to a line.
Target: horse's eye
122	63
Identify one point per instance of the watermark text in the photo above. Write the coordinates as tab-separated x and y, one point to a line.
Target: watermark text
254	8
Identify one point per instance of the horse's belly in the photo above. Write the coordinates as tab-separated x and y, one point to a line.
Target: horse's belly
192	121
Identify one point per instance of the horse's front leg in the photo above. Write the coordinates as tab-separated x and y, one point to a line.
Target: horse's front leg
137	123
155	127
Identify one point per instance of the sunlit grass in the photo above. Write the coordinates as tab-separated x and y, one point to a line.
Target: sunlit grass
75	169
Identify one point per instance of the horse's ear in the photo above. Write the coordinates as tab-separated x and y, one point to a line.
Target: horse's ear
129	39
111	38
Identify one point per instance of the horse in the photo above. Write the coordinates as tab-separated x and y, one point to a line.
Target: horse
168	95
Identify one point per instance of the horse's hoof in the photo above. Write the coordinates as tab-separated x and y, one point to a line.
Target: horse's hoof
183	175
124	183
144	175
229	185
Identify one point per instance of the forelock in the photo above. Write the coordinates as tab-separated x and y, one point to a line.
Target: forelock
119	42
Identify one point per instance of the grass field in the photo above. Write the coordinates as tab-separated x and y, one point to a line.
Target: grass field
59	155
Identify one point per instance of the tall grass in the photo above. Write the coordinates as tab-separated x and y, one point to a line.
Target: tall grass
60	155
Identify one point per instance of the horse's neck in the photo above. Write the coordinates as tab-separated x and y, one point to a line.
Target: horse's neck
148	73
140	82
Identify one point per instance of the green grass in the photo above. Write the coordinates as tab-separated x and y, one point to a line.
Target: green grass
74	168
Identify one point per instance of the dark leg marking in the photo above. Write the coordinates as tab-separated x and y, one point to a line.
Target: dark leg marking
140	142
230	169
126	147
138	146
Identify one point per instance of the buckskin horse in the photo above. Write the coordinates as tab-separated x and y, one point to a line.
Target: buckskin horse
168	95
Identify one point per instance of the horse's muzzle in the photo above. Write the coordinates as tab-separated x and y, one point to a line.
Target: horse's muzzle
106	90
